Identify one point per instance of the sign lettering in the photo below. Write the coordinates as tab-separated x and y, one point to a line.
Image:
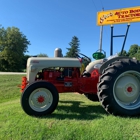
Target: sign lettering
118	16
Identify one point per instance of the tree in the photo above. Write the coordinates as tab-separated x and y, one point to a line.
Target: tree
24	61
42	55
74	47
124	53
133	50
13	45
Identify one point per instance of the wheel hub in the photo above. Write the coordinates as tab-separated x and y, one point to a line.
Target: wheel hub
40	99
129	89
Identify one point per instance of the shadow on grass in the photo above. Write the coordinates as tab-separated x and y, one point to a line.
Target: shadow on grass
77	110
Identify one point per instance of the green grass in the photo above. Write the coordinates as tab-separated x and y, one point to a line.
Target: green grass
9	87
76	118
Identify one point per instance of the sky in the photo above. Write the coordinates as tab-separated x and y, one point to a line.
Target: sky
50	24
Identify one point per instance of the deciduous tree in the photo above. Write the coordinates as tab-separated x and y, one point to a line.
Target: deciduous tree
124	53
42	55
13	45
133	50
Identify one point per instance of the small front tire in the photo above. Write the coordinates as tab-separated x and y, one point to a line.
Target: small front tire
39	99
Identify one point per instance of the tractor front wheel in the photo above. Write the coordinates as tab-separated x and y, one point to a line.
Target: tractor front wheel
119	88
39	99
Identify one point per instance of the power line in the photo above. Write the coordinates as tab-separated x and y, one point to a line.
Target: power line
94	5
102	4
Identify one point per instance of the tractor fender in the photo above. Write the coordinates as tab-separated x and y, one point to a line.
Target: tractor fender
111	60
92	65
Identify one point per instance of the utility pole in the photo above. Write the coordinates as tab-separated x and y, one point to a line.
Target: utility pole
101	36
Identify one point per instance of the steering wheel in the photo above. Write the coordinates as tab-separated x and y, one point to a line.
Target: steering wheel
83	57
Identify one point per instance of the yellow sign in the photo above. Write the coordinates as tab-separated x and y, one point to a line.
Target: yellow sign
118	16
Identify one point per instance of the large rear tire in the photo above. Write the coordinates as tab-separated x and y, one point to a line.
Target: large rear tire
39	99
119	88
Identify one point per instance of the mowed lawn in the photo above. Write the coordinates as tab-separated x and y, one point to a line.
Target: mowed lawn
76	118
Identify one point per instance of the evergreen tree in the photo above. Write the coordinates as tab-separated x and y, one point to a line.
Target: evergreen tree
74	48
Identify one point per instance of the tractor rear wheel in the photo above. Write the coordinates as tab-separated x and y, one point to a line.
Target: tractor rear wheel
119	88
39	99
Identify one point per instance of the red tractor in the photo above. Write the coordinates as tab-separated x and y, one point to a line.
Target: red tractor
114	82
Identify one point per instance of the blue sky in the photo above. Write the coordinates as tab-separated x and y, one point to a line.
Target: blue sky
49	24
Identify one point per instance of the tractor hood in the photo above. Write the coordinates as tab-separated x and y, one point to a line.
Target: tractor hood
53	62
35	64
